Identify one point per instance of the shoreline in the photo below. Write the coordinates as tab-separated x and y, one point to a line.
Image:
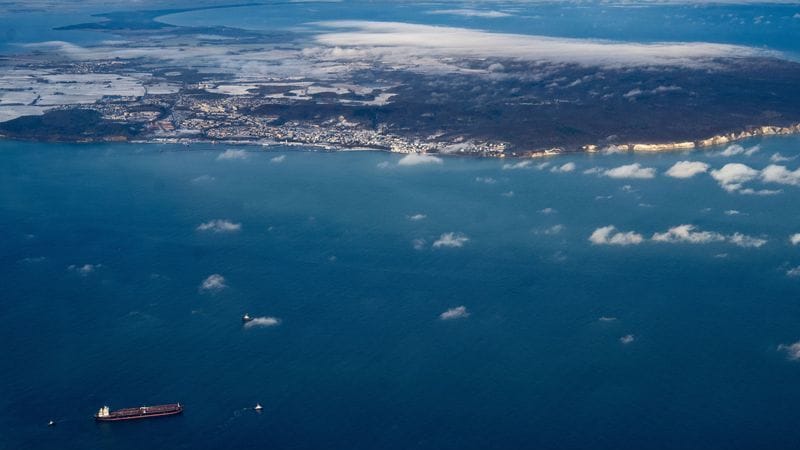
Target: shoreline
635	147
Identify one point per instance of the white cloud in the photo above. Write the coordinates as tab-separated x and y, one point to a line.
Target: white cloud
688	234
732	212
214	282
736	149
687	169
568	167
417	217
486	180
262	322
732	176
415	159
627	339
383	165
85	269
507	194
219	226
203	179
793	272
795	239
593	171
631	171
609	235
418	244
405	44
466	12
518	165
743	240
777	157
607	319
792	350
278	159
780	175
459	312
555	229
451	240
548	211
232	154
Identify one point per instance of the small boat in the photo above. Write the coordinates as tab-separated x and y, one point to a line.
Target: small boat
258	407
246	318
143	412
52	423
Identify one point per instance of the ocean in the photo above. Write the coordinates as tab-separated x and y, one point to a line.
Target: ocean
561	342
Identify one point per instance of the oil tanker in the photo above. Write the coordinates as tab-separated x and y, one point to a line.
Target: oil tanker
143	412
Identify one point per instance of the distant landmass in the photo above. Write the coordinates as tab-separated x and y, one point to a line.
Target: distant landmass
341	91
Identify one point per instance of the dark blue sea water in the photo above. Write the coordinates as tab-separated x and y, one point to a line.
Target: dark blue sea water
360	358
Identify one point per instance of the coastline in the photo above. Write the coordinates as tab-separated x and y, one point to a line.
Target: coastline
634	147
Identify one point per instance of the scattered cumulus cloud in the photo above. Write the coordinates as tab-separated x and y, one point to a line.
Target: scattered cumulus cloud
732	212
548	211
607	319
418	244
417	217
451	240
777	157
795	239
262	322
416	159
627	339
743	240
459	312
84	270
518	165
231	154
203	179
736	149
214	282
219	226
780	175
485	180
278	159
792	351
631	171
609	235
568	167
687	169
466	12
688	234
794	272
732	176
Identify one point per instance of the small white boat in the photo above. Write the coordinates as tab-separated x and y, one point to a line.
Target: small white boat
52	423
258	407
246	318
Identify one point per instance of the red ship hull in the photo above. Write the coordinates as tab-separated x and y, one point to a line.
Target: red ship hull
144	412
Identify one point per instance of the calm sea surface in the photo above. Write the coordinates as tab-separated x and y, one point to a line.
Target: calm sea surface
102	264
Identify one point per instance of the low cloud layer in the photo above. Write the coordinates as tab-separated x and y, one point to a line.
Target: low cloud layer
400	44
466	12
